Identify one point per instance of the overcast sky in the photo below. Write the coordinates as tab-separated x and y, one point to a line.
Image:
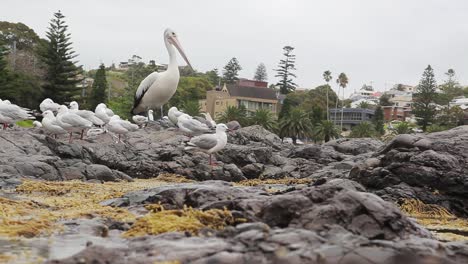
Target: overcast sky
383	42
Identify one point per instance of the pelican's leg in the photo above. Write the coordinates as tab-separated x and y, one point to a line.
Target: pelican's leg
55	136
211	161
82	132
119	138
162	112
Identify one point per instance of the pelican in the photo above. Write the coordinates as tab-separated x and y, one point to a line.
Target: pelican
158	87
210	143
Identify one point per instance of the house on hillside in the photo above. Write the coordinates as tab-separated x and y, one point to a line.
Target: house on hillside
253	95
351	116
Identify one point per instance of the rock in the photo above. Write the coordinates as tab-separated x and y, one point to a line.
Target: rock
355	146
337	202
431	168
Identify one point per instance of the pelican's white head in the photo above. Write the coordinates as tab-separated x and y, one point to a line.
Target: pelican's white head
74	105
172	38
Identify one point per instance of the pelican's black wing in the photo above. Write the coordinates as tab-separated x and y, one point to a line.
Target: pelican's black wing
142	89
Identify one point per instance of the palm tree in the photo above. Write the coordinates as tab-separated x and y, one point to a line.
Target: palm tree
264	118
402	128
364	105
364	129
342	82
296	125
233	113
326	130
191	107
327	77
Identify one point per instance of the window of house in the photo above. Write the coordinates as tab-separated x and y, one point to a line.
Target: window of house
217	103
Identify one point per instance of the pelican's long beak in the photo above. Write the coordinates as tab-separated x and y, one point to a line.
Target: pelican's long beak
176	43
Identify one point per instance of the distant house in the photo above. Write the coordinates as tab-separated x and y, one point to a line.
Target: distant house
351	116
401	113
253	95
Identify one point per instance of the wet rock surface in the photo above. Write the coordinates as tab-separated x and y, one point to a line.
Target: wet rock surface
432	168
348	214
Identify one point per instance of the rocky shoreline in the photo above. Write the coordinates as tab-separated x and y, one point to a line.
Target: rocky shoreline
340	202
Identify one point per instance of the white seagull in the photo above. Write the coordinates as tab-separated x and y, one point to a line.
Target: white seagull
210	143
191	126
11	113
48	104
158	87
209	119
50	124
174	114
140	120
103	113
71	122
86	114
37	124
119	126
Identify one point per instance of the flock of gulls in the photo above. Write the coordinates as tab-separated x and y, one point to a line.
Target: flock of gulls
153	93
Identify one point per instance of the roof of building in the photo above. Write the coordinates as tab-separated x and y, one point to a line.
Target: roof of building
253	92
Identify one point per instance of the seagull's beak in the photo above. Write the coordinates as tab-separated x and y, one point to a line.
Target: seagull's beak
176	43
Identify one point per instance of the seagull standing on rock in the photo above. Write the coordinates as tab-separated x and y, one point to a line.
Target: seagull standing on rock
120	127
191	126
86	114
210	143
159	87
103	113
11	113
50	124
173	114
71	122
48	104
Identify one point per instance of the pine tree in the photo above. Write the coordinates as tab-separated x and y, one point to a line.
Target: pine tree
284	71
98	94
424	97
261	73
57	54
231	70
3	68
378	120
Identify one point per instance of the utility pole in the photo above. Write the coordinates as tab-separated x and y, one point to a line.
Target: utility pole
14	55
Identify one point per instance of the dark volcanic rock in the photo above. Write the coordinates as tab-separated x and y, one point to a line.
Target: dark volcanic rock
253	243
432	168
313	208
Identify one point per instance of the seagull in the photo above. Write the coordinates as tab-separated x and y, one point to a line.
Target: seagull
37	124
86	114
173	114
191	126
119	126
209	119
210	143
48	104
233	125
150	115
71	121
103	113
50	124
11	113
159	87
140	120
